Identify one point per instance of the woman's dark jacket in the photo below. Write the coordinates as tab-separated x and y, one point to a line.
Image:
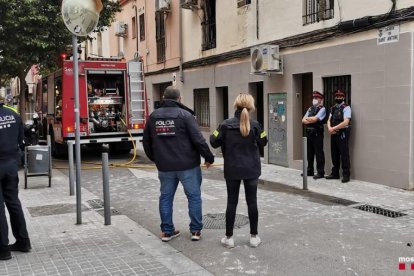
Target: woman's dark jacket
241	154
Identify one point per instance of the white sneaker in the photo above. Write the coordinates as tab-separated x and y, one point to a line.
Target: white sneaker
255	241
228	243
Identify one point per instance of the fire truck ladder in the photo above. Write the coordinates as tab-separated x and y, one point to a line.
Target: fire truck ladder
137	93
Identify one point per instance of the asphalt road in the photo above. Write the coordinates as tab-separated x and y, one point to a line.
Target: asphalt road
301	235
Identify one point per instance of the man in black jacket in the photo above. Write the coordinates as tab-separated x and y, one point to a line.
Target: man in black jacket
11	136
172	139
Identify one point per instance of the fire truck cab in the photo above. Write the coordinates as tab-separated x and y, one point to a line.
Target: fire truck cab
112	102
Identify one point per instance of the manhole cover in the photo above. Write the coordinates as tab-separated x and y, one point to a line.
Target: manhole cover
56	209
218	221
114	212
380	211
95	203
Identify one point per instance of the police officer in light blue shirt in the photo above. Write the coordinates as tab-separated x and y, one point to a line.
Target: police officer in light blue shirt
313	121
339	129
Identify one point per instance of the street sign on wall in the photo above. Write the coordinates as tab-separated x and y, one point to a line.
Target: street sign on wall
388	34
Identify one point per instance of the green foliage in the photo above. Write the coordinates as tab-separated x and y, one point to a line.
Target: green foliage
33	32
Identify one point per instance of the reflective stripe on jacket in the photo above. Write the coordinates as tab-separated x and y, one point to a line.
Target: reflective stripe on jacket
241	154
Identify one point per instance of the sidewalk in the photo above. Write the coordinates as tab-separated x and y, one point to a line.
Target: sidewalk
60	247
355	190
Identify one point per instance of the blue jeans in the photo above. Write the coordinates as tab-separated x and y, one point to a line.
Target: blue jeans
191	181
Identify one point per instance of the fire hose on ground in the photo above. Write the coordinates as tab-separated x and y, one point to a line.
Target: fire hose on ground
130	164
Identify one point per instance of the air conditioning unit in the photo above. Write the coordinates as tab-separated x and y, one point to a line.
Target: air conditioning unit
265	59
189	4
121	28
162	5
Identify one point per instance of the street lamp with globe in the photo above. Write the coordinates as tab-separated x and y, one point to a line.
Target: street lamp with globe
81	18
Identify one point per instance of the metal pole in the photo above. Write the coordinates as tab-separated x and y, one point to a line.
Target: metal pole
49	145
107	199
71	170
305	164
77	130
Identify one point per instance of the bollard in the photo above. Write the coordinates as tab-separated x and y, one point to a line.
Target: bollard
49	144
305	164
71	169
107	200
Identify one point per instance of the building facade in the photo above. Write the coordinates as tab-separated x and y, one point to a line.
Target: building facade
363	47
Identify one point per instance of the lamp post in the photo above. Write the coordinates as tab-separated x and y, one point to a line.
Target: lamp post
81	18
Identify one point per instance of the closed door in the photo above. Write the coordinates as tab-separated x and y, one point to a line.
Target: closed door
277	129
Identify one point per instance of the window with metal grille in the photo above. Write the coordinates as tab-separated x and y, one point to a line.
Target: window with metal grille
202	107
317	10
160	36
241	3
142	27
209	24
331	84
134	27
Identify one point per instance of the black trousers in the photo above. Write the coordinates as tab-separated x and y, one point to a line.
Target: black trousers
315	148
340	153
233	188
9	191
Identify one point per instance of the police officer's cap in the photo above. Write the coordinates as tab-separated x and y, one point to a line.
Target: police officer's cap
340	93
317	94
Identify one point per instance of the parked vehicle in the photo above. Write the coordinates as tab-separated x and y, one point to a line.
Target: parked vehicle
113	104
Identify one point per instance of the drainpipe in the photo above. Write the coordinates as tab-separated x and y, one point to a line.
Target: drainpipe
257	19
136	27
411	156
181	43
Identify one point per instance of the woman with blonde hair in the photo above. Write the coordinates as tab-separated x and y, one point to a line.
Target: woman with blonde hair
241	139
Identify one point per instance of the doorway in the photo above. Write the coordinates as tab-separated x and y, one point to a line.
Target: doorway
158	92
222	104
256	90
302	88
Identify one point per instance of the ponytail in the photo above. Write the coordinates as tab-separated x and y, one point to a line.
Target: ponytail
244	122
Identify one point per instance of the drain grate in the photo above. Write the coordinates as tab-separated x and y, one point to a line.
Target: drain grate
55	209
95	203
380	211
98	206
218	221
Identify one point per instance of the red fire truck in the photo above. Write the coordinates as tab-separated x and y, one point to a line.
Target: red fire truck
113	104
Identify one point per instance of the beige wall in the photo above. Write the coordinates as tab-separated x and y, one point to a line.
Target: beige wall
381	80
147	48
381	86
113	45
381	76
126	44
172	38
236	27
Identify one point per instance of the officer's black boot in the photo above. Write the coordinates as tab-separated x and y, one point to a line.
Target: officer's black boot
319	175
332	176
22	246
5	254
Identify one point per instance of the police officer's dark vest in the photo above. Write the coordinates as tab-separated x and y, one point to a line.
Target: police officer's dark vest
312	111
337	114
